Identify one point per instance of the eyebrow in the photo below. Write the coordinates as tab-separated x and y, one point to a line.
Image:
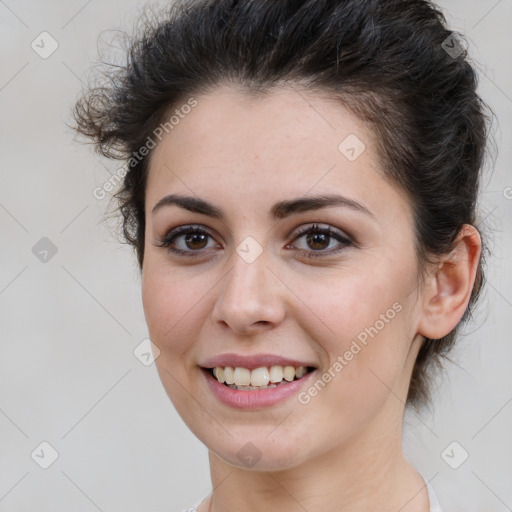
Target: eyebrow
279	210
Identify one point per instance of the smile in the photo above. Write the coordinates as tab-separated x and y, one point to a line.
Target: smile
259	378
248	396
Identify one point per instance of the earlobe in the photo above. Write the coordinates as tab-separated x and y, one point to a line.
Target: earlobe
450	284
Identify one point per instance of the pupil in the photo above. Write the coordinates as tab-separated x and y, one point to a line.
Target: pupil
320	235
189	239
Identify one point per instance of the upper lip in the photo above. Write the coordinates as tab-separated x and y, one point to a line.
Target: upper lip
252	361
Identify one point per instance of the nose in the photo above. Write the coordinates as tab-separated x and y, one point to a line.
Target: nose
249	298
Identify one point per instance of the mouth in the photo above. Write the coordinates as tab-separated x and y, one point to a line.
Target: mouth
257	379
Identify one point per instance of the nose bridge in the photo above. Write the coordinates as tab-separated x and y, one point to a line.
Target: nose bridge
249	292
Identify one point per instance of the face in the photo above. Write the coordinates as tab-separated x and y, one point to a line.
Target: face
260	286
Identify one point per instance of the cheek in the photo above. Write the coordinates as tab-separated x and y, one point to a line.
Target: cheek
353	304
171	302
370	325
171	307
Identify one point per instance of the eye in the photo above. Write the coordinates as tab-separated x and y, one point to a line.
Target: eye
194	239
320	238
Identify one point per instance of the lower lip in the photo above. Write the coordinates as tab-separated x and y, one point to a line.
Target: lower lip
240	399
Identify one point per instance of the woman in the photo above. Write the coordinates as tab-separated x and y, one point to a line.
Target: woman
300	190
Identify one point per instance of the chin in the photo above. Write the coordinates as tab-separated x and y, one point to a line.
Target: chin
260	452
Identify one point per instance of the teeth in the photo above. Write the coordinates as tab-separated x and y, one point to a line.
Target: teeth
242	376
219	374
259	377
300	371
276	374
289	373
229	375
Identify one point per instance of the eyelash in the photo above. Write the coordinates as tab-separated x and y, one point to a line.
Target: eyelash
168	239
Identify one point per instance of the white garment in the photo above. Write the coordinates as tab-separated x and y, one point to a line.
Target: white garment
432	497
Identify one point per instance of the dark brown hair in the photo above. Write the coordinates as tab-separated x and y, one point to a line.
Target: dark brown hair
393	63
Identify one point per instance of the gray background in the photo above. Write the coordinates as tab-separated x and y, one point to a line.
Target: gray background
68	375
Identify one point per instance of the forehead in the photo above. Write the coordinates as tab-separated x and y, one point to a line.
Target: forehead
235	147
230	122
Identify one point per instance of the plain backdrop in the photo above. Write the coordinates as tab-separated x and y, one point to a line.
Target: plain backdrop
71	314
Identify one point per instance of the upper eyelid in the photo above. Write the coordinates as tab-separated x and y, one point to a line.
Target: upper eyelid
320	226
297	232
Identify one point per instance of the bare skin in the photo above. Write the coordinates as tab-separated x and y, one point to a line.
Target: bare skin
342	450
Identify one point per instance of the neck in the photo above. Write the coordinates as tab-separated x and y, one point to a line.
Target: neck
358	476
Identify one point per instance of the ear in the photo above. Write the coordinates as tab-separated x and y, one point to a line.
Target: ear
448	286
